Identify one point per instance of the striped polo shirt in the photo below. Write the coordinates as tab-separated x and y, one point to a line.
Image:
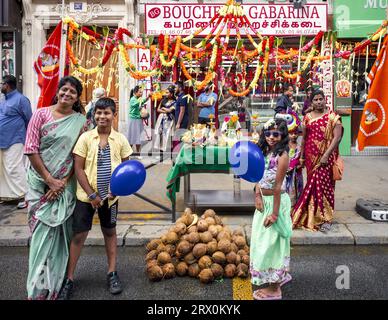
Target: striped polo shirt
103	171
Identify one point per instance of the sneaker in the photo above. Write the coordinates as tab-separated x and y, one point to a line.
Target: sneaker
22	205
114	283
66	290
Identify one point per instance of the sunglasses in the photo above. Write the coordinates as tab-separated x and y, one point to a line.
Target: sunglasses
275	134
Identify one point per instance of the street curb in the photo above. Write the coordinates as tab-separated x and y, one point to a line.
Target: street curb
135	235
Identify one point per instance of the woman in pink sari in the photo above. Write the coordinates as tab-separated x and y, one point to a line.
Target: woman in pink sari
322	132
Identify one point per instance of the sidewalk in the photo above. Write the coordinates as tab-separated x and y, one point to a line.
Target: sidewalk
365	177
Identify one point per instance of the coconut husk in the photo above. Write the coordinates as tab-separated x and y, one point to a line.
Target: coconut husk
242	270
188	211
223	235
181	269
153	244
155	273
193	237
238	260
246	248
230	270
209	213
164	239
238	232
202	225
245	260
242	252
224	245
164	258
199	250
240	242
234	247
151	263
187	218
168	271
205	262
151	255
218	220
189	258
231	257
219	228
170	249
206	276
183	247
213	230
206	237
161	248
218	270
219	257
210	221
212	247
192	229
193	270
180	228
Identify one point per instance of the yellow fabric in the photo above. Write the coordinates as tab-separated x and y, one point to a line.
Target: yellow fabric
87	147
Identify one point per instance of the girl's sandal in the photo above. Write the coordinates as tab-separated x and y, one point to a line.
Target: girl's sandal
260	295
286	280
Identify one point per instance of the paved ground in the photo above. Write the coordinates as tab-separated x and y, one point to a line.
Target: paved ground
313	268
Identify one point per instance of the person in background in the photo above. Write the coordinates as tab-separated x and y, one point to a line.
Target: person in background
89	109
207	101
181	107
284	103
136	126
307	103
15	114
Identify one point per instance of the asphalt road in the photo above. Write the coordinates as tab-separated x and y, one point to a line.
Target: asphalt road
313	269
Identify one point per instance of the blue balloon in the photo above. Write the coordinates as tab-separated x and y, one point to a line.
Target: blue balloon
247	161
127	178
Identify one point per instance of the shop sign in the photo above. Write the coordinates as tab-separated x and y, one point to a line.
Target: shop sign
268	19
327	75
144	63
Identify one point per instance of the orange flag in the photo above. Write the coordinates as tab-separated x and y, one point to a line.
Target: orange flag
374	125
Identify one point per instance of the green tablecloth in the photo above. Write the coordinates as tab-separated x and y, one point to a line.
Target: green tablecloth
198	159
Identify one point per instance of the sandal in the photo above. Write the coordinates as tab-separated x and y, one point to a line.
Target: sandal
260	295
286	280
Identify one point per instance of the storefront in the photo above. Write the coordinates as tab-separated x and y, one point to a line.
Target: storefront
10	40
355	21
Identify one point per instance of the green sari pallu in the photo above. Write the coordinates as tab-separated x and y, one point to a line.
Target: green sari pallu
50	222
270	247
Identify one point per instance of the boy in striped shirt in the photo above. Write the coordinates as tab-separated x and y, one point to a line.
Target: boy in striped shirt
97	153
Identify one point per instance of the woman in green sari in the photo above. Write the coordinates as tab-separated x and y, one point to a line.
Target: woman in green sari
51	136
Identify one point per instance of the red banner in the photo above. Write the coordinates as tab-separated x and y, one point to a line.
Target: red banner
47	68
374	127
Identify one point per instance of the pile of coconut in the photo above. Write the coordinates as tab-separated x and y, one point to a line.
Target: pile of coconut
199	247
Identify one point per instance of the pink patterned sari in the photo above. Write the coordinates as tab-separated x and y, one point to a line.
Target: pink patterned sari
316	203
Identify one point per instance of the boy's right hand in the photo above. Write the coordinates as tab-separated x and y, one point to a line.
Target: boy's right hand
96	203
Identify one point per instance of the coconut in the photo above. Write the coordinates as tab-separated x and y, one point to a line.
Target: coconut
164	258
189	258
164	239
193	270
180	220
155	273
185	237
245	259
218	220
151	263
153	244
246	248
199	250
230	270
209	213
240	242
242	270
219	257
231	257
212	247
172	238
205	262
210	221
238	260
161	248
181	268
228	230
168	271
213	230
183	247
202	225
193	237
180	228
170	249
223	235
206	276
242	252
219	228
206	237
238	232
187	211
217	270
192	229
234	247
151	255
224	245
